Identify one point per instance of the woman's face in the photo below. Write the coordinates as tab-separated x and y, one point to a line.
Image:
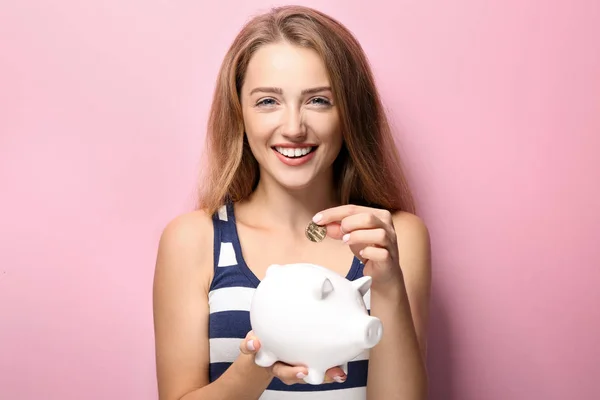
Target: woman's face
290	118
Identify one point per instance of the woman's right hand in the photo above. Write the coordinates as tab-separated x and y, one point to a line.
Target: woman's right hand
288	374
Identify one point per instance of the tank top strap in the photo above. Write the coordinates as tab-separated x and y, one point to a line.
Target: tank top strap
224	223
226	255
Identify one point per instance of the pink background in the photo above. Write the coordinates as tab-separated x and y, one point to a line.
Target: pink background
102	112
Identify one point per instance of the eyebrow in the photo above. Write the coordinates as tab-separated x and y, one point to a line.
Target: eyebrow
277	90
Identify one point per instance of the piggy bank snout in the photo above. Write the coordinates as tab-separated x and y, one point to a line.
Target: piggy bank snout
373	332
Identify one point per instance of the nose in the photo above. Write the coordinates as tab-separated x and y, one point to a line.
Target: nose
293	125
373	332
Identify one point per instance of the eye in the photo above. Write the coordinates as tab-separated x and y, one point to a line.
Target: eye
320	101
266	102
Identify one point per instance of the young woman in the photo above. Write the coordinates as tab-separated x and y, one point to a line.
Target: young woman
296	134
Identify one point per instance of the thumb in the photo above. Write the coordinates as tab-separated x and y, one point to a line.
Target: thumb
334	230
250	344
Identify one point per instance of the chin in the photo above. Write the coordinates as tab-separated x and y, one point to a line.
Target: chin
295	183
292	180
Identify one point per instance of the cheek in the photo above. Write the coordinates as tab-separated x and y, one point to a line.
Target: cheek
328	130
258	129
257	143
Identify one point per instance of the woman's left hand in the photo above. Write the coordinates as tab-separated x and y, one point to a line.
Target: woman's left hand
371	236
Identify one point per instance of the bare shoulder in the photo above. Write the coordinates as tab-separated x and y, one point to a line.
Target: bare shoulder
190	228
186	245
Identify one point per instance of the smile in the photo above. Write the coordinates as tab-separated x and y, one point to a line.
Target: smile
294	152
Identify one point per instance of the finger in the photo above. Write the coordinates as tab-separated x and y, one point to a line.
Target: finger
369	237
337	230
337	214
377	254
289	374
363	221
250	344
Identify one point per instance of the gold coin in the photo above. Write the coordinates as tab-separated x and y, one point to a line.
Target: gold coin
315	233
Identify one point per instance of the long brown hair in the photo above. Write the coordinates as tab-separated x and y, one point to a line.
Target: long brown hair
367	170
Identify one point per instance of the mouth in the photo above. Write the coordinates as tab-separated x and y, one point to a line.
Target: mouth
297	152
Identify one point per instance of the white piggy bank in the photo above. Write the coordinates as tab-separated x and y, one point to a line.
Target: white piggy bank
305	314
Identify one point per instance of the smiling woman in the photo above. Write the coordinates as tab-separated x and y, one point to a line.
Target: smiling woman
301	151
297	136
290	116
295	154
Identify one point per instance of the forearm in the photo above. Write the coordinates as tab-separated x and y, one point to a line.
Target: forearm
243	380
396	366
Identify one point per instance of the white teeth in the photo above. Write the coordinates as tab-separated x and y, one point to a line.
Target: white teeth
292	153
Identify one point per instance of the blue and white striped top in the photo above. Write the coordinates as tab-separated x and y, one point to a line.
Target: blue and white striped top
229	298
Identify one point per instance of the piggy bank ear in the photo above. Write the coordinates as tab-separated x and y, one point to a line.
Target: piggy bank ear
362	284
272	269
323	288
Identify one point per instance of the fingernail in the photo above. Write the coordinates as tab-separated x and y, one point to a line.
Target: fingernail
250	345
300	375
317	218
339	379
346	237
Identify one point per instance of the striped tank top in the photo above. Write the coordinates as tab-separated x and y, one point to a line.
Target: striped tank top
229	299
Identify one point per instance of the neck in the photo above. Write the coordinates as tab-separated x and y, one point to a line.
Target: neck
279	207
